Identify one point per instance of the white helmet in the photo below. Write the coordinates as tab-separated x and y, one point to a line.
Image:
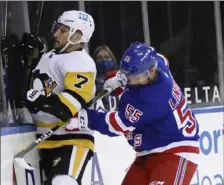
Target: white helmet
77	20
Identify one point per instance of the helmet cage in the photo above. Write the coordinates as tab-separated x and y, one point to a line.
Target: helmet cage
136	78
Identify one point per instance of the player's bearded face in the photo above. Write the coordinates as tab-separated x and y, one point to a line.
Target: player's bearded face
60	37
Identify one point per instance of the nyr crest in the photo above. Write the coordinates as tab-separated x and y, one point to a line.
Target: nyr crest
127	58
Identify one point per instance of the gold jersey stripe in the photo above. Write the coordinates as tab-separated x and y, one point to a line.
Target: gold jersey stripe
82	83
66	102
56	144
81	153
48	125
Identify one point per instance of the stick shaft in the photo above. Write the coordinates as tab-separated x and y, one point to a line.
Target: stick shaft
43	137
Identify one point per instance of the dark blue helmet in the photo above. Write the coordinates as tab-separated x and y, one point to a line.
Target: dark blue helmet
138	58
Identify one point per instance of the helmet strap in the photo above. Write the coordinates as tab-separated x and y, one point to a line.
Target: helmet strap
69	42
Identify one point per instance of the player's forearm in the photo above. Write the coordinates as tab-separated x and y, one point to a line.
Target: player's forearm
65	104
98	122
54	106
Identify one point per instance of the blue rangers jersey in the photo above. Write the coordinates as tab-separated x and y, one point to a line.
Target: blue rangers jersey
110	102
153	118
163	64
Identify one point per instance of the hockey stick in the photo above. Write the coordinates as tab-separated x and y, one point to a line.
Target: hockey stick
19	158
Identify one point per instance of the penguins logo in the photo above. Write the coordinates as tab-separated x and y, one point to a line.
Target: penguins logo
43	81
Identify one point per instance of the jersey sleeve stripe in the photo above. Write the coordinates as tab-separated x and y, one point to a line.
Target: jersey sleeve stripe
165	59
68	100
122	125
116	123
76	96
73	100
110	127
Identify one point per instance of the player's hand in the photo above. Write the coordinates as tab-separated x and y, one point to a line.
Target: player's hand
32	99
79	122
32	46
32	95
116	81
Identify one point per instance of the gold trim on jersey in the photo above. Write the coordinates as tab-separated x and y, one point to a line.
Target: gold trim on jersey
61	137
78	158
82	83
48	125
79	87
68	102
56	144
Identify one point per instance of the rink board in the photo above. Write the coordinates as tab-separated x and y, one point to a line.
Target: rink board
114	155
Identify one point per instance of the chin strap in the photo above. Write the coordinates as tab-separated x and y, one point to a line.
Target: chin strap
69	42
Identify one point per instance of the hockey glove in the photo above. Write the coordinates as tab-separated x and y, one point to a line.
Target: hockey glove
116	81
33	99
79	122
32	49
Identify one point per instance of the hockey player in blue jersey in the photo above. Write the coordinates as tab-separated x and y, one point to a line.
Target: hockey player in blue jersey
154	117
163	64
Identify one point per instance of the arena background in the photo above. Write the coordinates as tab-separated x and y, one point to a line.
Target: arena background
189	34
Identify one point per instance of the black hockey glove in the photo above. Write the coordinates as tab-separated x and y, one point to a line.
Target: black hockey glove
32	49
33	100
